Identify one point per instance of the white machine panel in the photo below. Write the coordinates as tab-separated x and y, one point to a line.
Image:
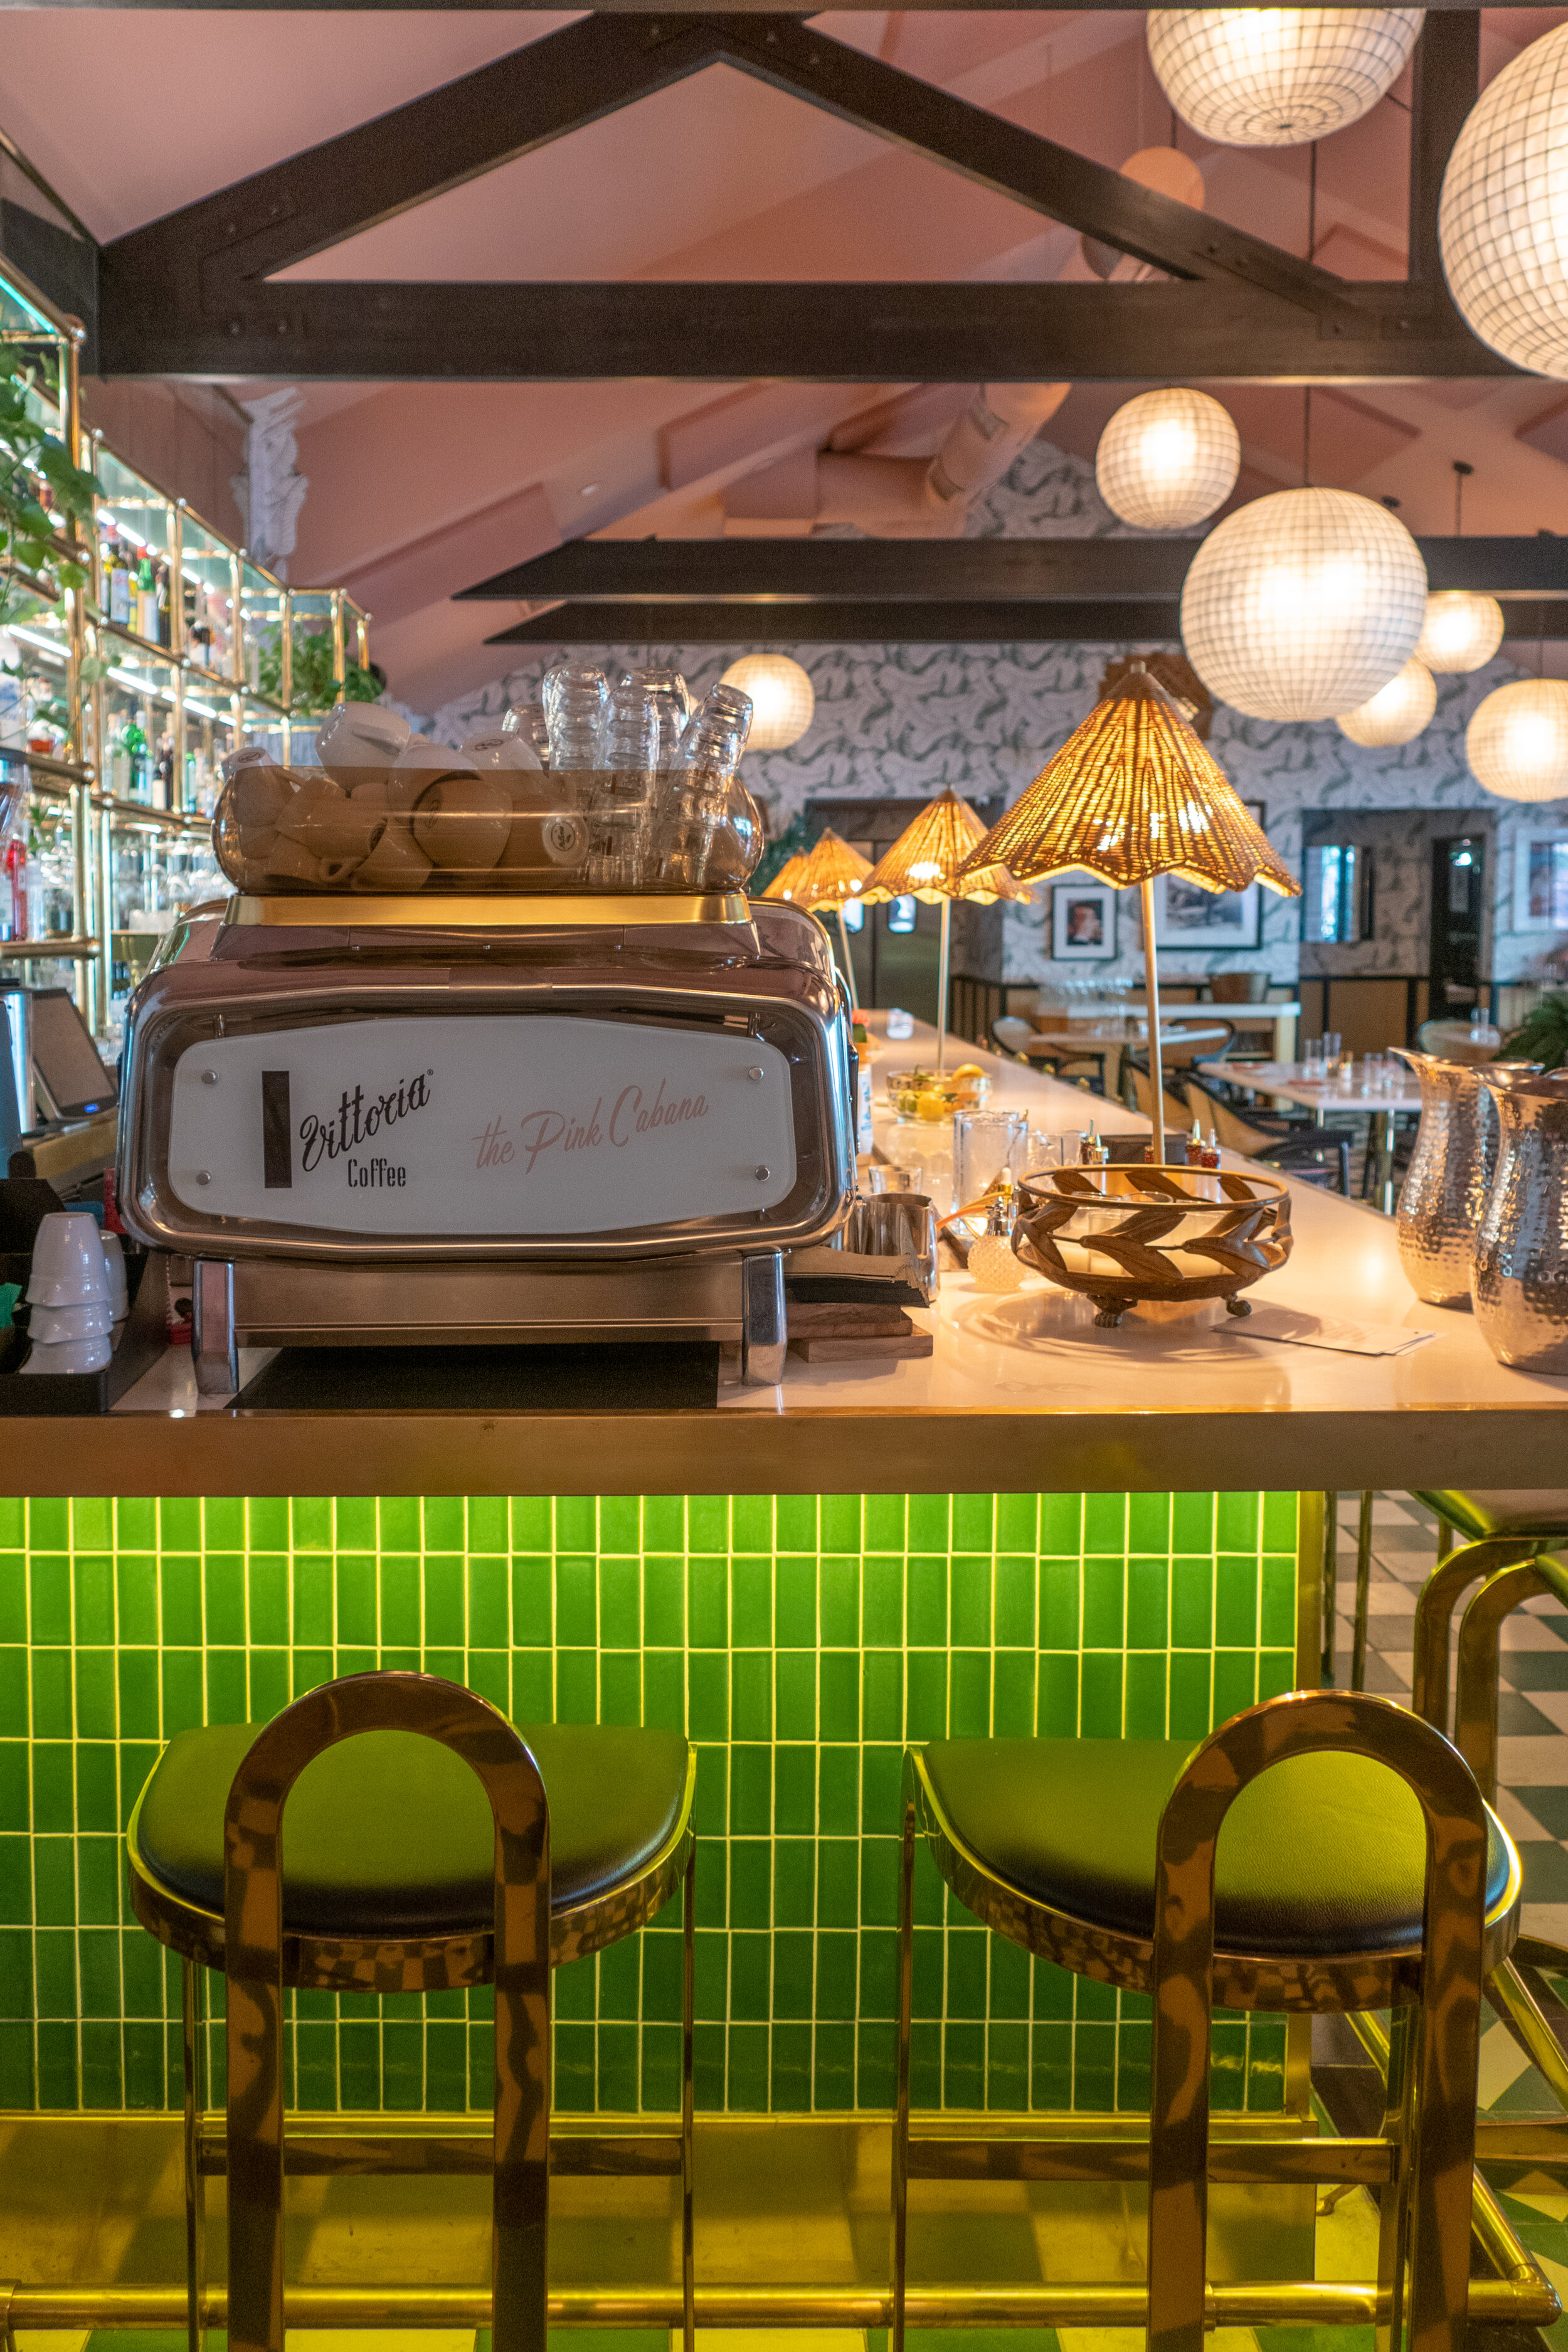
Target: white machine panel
481	1124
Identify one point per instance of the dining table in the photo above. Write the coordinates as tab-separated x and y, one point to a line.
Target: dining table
1347	1090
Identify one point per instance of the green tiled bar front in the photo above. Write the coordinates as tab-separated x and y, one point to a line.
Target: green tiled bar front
797	1639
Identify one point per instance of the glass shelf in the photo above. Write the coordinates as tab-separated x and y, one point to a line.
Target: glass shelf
138	710
209	590
137	551
263	622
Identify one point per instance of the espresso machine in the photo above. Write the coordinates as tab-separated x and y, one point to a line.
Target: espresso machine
394	1121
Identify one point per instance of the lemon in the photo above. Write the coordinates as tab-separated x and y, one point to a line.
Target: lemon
932	1105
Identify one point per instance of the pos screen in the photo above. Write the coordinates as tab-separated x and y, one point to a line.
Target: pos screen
65	1060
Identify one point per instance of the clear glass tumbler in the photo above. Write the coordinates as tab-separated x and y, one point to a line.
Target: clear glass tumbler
984	1143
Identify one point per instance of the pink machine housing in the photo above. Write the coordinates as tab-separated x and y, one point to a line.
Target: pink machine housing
389	1125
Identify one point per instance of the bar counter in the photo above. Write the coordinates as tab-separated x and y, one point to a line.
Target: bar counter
1043	1530
1022	1394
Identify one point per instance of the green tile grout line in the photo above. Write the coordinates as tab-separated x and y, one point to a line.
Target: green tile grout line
799	1640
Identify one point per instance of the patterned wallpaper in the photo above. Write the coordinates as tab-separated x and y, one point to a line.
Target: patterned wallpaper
907	718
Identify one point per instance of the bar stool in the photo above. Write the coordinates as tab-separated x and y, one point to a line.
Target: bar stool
1502	1528
1101	1855
438	1848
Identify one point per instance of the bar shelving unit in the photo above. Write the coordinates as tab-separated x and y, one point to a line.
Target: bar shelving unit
115	735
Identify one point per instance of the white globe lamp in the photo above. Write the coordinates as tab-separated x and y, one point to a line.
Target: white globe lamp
783	699
1462	631
1278	77
1167	460
1517	743
1396	714
1502	224
1304	605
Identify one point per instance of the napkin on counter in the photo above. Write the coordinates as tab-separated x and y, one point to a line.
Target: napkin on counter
1308	1331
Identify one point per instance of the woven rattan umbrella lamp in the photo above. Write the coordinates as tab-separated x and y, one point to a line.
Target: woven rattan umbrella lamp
1131	794
784	881
924	863
830	875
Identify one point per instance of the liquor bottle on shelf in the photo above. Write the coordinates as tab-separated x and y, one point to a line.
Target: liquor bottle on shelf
14	905
130	766
145	623
163	774
117	582
164	629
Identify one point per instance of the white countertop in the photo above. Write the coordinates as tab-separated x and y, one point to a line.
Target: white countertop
1039	1352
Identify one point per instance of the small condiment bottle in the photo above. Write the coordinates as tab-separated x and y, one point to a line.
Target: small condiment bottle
1195	1148
1210	1150
991	1264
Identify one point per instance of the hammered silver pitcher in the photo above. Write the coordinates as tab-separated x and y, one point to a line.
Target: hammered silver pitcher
1519	1281
1450	1175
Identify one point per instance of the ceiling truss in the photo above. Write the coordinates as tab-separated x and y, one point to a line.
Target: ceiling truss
193	294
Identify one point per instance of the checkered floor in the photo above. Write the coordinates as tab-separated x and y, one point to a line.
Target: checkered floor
1532	1706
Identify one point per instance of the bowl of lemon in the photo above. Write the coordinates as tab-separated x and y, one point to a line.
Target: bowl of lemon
930	1096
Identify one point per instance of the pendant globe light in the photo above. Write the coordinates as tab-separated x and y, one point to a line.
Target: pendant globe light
1501	225
1303	605
1396	713
1167	460
1278	77
1462	632
1517	743
783	700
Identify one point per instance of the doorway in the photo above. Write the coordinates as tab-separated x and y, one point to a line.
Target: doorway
1458	906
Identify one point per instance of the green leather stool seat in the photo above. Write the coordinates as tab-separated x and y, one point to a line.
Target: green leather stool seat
391	1835
1501	1511
1324	1855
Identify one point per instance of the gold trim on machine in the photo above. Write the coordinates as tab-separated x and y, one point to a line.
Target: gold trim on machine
500	912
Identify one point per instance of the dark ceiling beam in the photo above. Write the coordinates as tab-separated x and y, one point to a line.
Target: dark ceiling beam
965	622
1445	80
197	258
646	573
194	293
843	333
696	623
1012	162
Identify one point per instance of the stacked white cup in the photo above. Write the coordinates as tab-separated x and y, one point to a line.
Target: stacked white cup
69	1292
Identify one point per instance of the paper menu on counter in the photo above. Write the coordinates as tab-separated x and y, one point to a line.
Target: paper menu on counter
1298	1325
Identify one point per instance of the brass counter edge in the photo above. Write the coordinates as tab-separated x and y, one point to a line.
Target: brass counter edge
801	1449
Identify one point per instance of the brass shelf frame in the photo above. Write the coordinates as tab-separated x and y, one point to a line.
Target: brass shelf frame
195	694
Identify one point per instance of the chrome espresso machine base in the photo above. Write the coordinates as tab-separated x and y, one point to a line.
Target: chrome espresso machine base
394	1124
273	1303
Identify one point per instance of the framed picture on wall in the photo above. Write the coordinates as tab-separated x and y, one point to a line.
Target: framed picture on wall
1083	921
1186	916
1257	813
1540	878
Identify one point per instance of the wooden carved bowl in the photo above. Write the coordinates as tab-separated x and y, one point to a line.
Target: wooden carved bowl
1155	1237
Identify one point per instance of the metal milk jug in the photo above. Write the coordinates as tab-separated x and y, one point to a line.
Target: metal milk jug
1450	1175
1519	1281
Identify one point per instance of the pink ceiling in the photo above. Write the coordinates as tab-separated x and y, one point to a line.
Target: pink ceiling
415	489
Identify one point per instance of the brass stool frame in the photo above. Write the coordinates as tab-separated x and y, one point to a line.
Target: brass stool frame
248	1942
1424	2154
1530	1571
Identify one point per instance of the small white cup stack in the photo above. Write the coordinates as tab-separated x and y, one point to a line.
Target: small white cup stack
72	1294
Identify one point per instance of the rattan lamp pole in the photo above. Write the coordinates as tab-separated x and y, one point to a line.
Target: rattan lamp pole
1152	990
